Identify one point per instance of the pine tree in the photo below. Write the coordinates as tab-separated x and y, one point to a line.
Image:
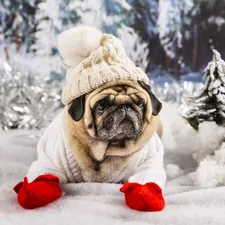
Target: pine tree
174	16
62	16
86	12
209	105
18	23
143	19
144	16
206	31
47	28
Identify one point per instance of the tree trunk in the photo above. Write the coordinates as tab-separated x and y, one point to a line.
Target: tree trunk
176	63
168	62
17	37
6	49
6	53
195	48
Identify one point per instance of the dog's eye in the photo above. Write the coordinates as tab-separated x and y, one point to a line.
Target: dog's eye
141	104
100	107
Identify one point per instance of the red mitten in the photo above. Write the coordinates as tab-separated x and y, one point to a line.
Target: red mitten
146	197
40	192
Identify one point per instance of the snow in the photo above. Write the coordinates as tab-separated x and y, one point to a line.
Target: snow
173	171
89	11
210	172
95	203
136	49
46	34
173	15
124	4
182	141
218	20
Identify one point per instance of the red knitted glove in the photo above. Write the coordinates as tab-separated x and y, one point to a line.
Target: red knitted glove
40	192
146	197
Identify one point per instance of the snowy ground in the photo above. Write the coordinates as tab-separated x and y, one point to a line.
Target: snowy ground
99	204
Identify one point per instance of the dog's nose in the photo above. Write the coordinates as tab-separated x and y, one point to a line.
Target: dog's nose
125	107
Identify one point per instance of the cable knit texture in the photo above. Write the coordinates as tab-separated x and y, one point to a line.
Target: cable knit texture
94	64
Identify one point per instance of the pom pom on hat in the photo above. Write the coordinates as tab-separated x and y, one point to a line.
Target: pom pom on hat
78	43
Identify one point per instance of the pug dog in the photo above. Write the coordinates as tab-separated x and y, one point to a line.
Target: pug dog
109	125
109	130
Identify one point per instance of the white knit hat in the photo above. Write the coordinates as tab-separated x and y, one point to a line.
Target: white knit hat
94	59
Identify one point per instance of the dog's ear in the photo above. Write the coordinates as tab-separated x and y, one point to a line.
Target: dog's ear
156	104
76	110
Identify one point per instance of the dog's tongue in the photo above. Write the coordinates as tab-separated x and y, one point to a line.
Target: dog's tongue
98	150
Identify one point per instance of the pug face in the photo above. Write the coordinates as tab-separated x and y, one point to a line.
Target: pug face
120	115
116	115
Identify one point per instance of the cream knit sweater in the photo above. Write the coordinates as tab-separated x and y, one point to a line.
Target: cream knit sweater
55	157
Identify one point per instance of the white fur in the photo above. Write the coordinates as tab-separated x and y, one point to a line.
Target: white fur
78	43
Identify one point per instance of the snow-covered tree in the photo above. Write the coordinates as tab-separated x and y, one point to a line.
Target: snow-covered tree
171	21
47	28
207	30
59	16
115	14
209	105
68	14
87	12
144	16
18	23
46	44
174	15
136	49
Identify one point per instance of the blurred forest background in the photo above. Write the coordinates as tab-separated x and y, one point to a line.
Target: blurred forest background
168	38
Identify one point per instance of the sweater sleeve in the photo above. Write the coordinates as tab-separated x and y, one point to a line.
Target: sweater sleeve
49	148
151	168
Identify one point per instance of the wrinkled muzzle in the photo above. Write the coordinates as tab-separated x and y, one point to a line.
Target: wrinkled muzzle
121	124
